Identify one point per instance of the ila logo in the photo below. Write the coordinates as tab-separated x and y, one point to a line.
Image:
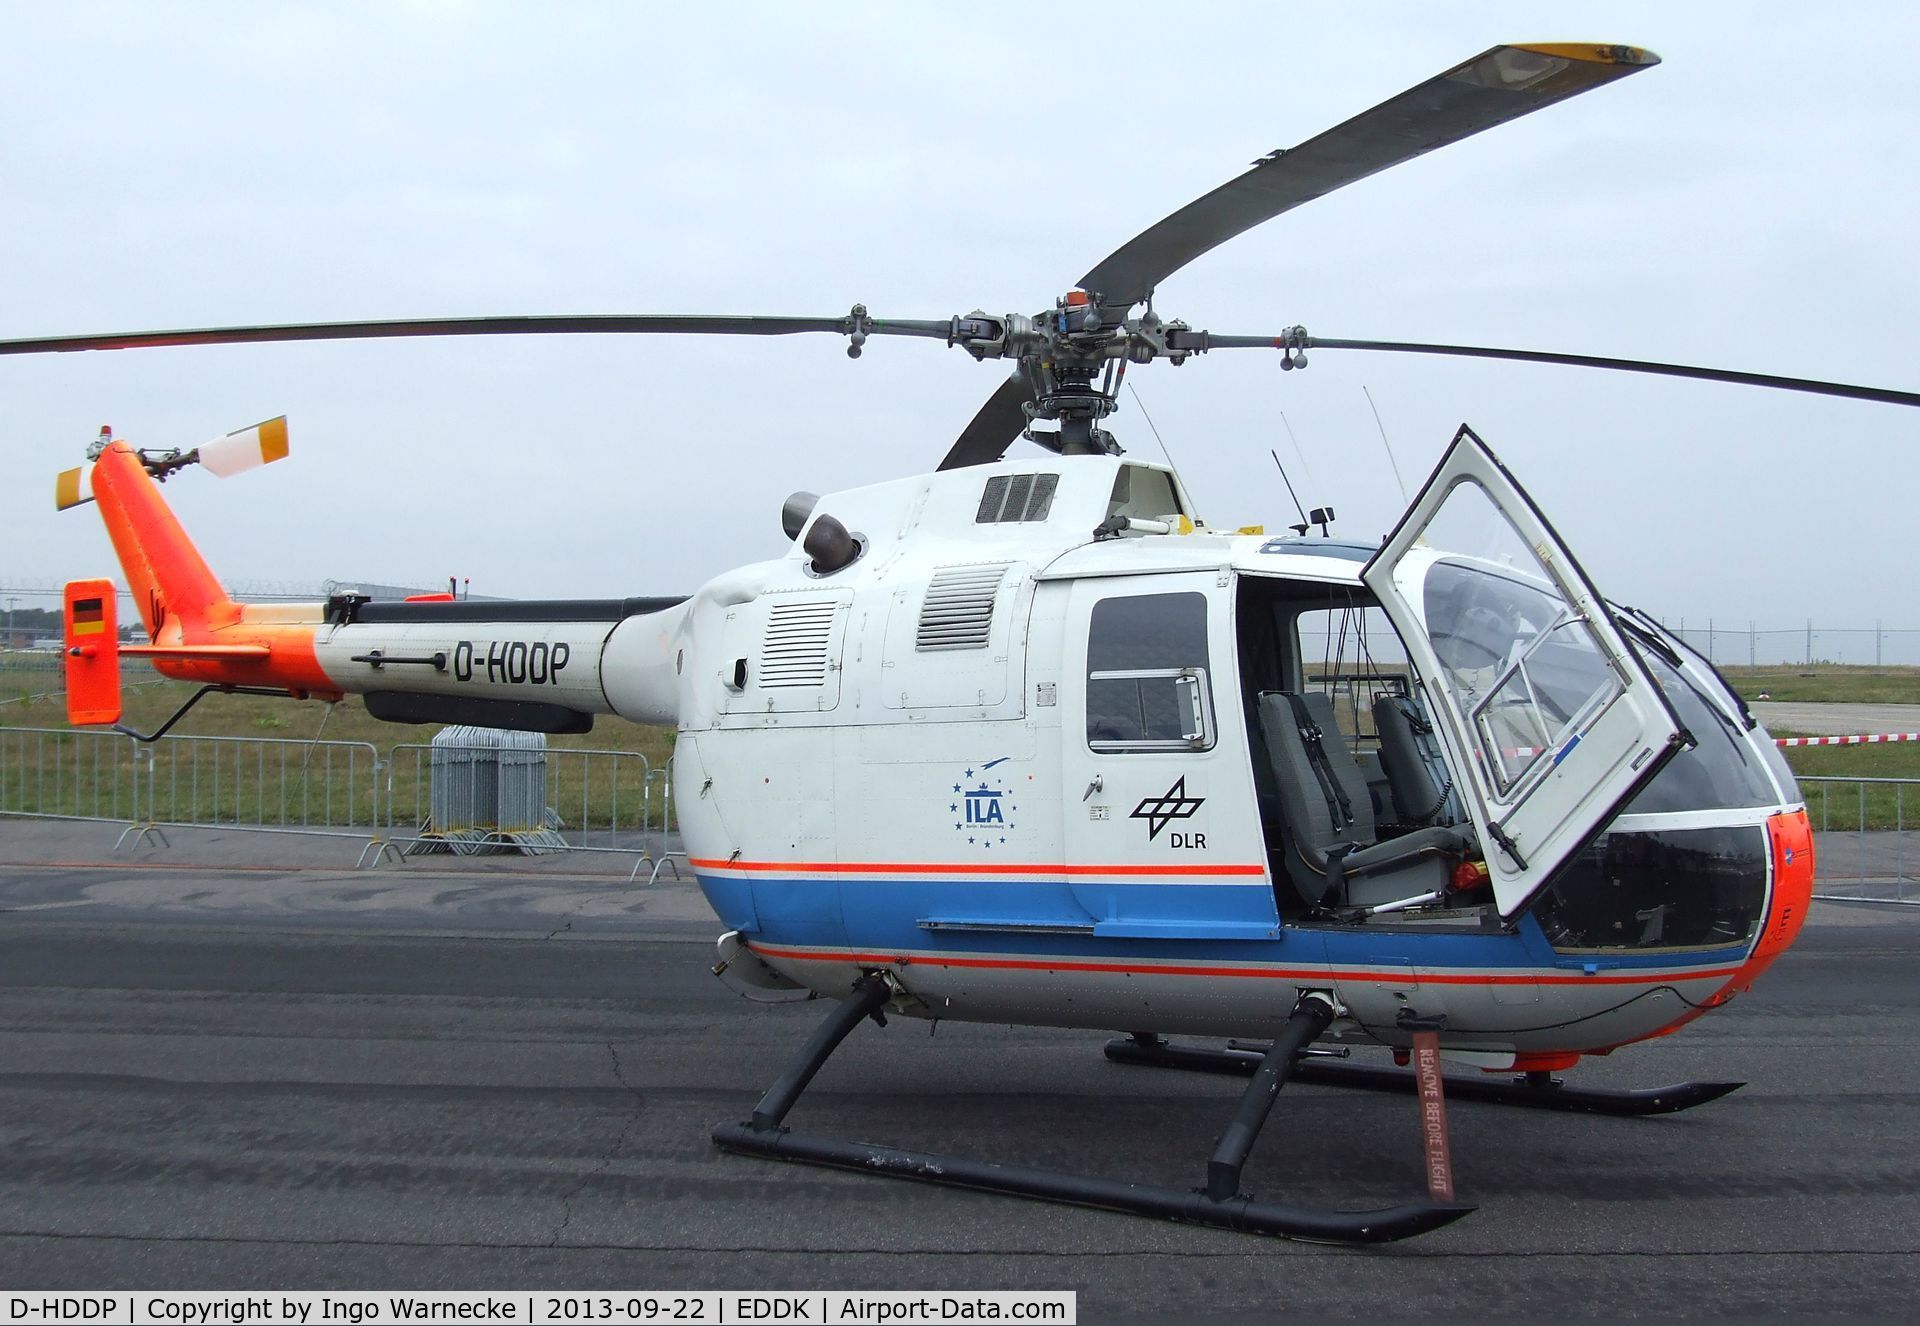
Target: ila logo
983	807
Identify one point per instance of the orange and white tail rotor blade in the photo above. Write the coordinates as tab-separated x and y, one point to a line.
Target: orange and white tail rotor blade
247	449
72	488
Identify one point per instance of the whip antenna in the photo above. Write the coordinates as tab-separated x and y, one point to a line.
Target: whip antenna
1301	528
1150	424
1299	455
1388	445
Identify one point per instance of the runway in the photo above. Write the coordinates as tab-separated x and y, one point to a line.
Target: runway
1839	720
314	1077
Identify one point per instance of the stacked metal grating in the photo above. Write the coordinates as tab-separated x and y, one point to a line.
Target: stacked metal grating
489	794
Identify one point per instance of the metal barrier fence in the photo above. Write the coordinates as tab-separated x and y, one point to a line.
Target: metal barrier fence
617	801
33	674
601	800
245	782
1862	844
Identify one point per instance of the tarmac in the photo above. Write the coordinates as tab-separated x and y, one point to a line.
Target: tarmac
238	1062
1836	720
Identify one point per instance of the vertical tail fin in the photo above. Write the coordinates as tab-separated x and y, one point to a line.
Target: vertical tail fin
92	653
177	595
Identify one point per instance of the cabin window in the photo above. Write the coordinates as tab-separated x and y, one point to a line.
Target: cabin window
1143	493
1352	654
1147	670
1016	498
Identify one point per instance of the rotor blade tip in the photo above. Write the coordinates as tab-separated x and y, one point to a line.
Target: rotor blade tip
1592	52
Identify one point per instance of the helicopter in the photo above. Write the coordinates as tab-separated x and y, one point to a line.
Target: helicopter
1027	741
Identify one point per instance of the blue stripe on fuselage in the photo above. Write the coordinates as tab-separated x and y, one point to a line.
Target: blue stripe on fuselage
885	915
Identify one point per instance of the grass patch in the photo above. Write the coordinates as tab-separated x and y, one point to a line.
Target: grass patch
290	771
1828	684
1852	805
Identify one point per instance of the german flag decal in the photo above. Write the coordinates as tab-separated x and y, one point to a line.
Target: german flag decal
88	617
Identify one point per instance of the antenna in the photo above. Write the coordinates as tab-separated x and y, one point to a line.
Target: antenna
1383	442
1300	455
1301	528
1150	424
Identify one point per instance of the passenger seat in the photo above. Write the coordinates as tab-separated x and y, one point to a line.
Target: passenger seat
1417	775
1332	855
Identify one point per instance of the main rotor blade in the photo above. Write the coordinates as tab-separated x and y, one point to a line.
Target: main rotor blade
625	324
994	428
1500	85
1814	386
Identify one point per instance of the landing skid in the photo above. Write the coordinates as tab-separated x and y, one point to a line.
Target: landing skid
1220	1204
1534	1090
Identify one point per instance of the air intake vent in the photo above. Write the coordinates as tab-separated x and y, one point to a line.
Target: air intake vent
794	650
1012	498
958	611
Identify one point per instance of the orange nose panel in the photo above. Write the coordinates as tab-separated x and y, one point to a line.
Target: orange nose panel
1792	835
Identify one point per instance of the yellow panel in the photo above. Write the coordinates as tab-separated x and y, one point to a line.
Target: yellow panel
66	490
273	439
1591	52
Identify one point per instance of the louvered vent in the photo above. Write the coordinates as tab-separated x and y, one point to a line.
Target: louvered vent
958	610
1012	498
794	650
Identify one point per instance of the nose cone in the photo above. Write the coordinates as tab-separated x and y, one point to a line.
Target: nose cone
1791	833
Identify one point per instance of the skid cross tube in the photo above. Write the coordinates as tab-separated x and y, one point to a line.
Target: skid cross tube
764	1136
1535	1090
870	992
1310	1017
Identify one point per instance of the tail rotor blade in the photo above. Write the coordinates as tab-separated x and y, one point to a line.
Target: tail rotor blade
72	488
247	449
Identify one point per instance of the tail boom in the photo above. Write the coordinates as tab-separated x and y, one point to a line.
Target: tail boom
532	665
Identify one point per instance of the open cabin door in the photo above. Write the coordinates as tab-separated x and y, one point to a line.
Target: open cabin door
1551	721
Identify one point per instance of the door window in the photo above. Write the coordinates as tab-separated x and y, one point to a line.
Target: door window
1523	665
1147	671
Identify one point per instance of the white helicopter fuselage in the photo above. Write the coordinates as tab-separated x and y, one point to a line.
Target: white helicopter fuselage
894	767
1032	743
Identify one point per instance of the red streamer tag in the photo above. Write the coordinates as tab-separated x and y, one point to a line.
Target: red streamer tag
1433	1115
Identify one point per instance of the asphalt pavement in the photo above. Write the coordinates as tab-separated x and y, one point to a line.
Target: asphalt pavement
217	1072
1836	720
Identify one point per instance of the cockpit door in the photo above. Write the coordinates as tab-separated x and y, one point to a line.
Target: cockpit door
1551	720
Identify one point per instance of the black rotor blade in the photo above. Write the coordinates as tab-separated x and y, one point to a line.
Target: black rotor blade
1815	386
626	324
995	428
1503	84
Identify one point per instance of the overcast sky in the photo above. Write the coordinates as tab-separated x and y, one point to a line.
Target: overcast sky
1747	204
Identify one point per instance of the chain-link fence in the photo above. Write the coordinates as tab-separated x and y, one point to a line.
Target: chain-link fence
1742	644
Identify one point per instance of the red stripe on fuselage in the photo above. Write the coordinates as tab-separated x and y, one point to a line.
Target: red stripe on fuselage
1424	975
970	868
